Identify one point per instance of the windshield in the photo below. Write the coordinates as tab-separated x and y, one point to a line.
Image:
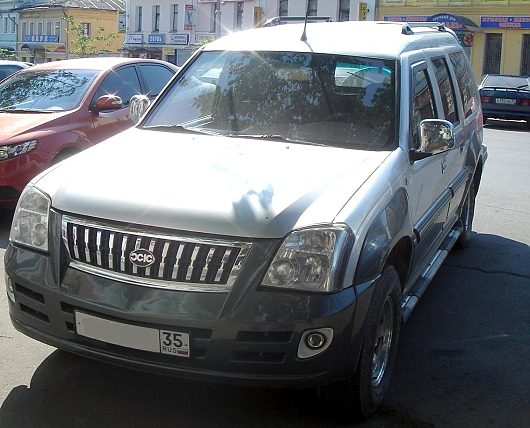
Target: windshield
507	82
315	98
45	90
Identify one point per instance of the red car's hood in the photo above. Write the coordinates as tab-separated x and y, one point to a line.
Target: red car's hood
14	124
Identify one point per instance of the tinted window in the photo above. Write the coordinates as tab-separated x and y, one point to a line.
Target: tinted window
155	77
123	82
447	92
423	102
45	89
466	83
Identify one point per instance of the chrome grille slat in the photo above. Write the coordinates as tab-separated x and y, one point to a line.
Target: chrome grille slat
180	262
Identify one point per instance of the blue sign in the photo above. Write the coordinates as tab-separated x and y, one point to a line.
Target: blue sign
157	39
41	38
448	20
518	22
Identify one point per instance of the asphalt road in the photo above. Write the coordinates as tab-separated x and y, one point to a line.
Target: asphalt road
463	361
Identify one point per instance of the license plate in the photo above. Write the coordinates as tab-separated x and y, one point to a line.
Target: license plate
505	100
132	336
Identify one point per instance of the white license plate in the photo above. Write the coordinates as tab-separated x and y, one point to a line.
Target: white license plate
133	336
505	100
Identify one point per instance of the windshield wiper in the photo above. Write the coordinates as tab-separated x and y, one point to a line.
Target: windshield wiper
274	137
521	86
26	110
178	128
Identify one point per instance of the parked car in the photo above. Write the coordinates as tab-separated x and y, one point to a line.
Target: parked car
270	220
8	67
505	97
51	111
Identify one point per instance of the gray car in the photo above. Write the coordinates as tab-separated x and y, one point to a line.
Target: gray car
8	67
277	212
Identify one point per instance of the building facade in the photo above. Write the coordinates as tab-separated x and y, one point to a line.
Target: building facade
173	29
8	24
44	33
495	33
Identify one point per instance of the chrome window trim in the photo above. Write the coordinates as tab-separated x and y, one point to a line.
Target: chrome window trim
151	282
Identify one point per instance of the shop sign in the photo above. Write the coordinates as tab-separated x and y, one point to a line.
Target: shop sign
168	51
407	18
156	39
518	22
448	20
55	48
179	39
45	38
188	17
133	39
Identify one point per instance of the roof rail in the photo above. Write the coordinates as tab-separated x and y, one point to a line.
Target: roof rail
279	20
408	26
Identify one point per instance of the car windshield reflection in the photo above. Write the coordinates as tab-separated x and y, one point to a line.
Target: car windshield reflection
45	90
336	100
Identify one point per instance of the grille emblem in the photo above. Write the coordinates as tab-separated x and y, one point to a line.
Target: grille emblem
142	257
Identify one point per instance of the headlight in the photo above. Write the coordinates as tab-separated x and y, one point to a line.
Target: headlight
14	150
30	222
309	259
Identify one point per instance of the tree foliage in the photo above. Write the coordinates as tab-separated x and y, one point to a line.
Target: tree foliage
8	54
84	45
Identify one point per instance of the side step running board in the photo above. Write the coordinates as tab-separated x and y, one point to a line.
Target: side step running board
428	274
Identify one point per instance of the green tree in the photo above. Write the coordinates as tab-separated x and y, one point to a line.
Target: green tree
84	45
8	54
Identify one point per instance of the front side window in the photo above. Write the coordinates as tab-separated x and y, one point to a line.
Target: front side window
447	92
323	99
423	106
155	77
123	82
45	90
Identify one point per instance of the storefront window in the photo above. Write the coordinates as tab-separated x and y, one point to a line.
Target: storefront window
492	54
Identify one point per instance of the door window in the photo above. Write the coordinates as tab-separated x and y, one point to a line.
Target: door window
155	78
466	83
123	82
423	102
447	92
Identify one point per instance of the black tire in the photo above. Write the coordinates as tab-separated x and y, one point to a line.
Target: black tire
360	395
466	218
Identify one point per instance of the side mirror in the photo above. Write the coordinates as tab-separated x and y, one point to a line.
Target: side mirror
137	107
107	102
436	136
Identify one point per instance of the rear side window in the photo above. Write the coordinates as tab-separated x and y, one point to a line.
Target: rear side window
155	77
123	82
447	92
466	83
423	102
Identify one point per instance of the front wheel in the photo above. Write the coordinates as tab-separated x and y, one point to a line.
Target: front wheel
361	394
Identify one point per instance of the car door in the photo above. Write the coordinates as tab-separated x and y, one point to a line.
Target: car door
454	176
125	83
429	196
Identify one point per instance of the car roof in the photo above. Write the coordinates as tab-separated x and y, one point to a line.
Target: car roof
17	63
97	63
379	39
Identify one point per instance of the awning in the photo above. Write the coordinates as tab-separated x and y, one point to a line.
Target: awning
32	47
455	22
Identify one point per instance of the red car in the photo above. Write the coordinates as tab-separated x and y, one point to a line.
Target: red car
53	110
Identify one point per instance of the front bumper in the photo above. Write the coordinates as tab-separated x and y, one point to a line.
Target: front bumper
249	335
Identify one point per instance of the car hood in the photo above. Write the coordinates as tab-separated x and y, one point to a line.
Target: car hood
209	184
15	124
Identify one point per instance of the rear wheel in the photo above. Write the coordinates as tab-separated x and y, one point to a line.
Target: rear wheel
362	393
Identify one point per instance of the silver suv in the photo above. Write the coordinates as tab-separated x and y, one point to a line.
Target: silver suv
273	217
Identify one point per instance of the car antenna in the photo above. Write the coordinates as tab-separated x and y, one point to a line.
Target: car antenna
304	36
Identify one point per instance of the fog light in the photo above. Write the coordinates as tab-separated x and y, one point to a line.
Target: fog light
314	341
10	290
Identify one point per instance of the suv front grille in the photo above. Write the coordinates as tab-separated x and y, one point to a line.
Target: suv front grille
177	262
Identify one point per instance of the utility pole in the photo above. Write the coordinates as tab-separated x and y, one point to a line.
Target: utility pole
217	17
